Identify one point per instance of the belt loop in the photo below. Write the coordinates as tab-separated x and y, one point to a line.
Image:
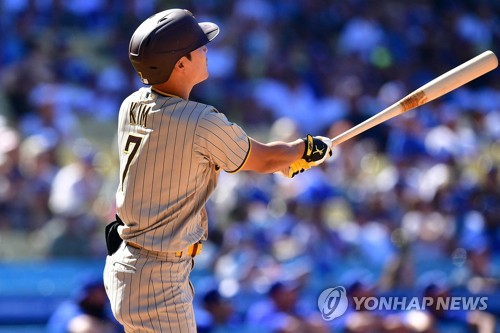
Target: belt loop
195	250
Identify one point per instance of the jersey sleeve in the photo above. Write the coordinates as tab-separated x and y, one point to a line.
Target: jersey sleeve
224	143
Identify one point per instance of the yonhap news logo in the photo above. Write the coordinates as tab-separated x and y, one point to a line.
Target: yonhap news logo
332	303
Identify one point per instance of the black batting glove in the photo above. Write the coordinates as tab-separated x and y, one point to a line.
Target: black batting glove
317	150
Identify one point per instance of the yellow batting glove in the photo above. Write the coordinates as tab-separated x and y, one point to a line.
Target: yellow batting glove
295	168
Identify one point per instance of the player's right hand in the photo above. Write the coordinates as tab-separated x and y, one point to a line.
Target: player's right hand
295	168
317	150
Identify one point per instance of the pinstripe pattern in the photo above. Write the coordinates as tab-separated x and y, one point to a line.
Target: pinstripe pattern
150	292
173	172
170	151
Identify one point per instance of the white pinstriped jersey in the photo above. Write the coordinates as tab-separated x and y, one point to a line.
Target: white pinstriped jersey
171	151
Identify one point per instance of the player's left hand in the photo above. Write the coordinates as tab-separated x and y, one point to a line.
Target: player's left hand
317	149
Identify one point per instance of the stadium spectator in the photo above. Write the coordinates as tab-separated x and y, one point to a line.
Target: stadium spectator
281	312
216	314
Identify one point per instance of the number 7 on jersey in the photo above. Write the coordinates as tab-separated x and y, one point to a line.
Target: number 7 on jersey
135	141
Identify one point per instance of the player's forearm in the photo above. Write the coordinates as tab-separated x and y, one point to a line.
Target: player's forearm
282	154
274	156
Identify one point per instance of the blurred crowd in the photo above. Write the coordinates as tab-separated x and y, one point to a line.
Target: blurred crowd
416	194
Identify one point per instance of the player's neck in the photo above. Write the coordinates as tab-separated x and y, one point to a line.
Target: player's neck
172	90
179	85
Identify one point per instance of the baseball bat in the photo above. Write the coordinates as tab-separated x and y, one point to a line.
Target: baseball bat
438	87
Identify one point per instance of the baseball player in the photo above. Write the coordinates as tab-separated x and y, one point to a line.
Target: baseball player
171	152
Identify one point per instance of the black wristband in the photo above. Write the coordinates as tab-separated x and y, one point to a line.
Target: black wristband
309	142
315	149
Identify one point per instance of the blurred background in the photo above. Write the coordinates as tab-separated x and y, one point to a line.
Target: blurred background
411	207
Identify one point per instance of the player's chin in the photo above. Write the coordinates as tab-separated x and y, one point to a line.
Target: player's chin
205	76
201	79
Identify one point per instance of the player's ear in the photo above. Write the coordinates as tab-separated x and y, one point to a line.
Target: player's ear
179	67
180	64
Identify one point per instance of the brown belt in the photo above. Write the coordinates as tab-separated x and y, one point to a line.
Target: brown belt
193	250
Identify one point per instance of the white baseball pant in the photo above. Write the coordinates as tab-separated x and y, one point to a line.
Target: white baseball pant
150	291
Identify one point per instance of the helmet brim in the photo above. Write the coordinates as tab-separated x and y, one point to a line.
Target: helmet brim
210	29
